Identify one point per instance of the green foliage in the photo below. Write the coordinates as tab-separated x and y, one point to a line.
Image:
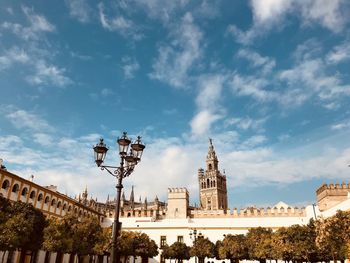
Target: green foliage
136	244
21	226
234	248
259	243
178	251
202	248
333	234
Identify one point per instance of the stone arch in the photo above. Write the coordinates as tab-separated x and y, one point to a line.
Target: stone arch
59	204
47	199
64	207
15	188
53	202
24	191
40	197
5	184
32	194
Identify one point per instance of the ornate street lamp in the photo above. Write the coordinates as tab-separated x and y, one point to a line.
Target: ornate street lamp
126	167
194	236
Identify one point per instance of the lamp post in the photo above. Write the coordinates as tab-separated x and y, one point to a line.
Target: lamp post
194	234
128	161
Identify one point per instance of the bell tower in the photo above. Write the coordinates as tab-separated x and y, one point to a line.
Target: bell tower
212	183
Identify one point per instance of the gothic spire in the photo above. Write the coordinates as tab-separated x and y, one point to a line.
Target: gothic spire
211	151
132	195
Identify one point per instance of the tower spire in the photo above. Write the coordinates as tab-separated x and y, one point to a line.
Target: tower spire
132	195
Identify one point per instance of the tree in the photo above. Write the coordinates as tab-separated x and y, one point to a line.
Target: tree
86	234
202	248
104	244
259	243
178	251
145	247
333	234
234	248
58	236
23	229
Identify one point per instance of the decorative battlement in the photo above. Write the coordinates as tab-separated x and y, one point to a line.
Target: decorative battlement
329	195
177	190
332	186
252	212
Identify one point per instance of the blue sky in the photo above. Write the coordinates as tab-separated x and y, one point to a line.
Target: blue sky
267	80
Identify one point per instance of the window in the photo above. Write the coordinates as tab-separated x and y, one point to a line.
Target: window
47	199
59	204
24	191
40	197
162	241
53	202
32	195
64	207
180	239
5	185
15	188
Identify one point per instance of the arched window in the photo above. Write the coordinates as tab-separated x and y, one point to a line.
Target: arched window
53	202
75	210
32	195
5	184
208	183
15	188
40	197
204	185
47	199
210	167
64	207
59	204
69	208
213	183
24	191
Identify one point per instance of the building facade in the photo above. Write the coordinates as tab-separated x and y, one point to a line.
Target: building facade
46	198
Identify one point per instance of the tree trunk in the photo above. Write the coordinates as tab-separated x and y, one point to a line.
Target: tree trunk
22	256
47	257
10	256
144	259
263	260
71	258
3	256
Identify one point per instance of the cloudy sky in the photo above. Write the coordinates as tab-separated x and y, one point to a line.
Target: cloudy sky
267	80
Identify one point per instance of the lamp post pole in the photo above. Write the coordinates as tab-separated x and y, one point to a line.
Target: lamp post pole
127	165
194	233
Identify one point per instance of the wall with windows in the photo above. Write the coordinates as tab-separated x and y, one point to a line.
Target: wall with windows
46	199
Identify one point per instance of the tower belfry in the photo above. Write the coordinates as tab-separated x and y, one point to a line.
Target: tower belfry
212	183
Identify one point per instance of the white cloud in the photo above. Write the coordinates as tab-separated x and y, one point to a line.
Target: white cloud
79	9
158	9
130	66
253	141
13	55
256	60
341	126
328	13
202	121
175	61
246	123
48	75
38	24
339	53
120	24
272	15
252	86
43	139
22	119
269	11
